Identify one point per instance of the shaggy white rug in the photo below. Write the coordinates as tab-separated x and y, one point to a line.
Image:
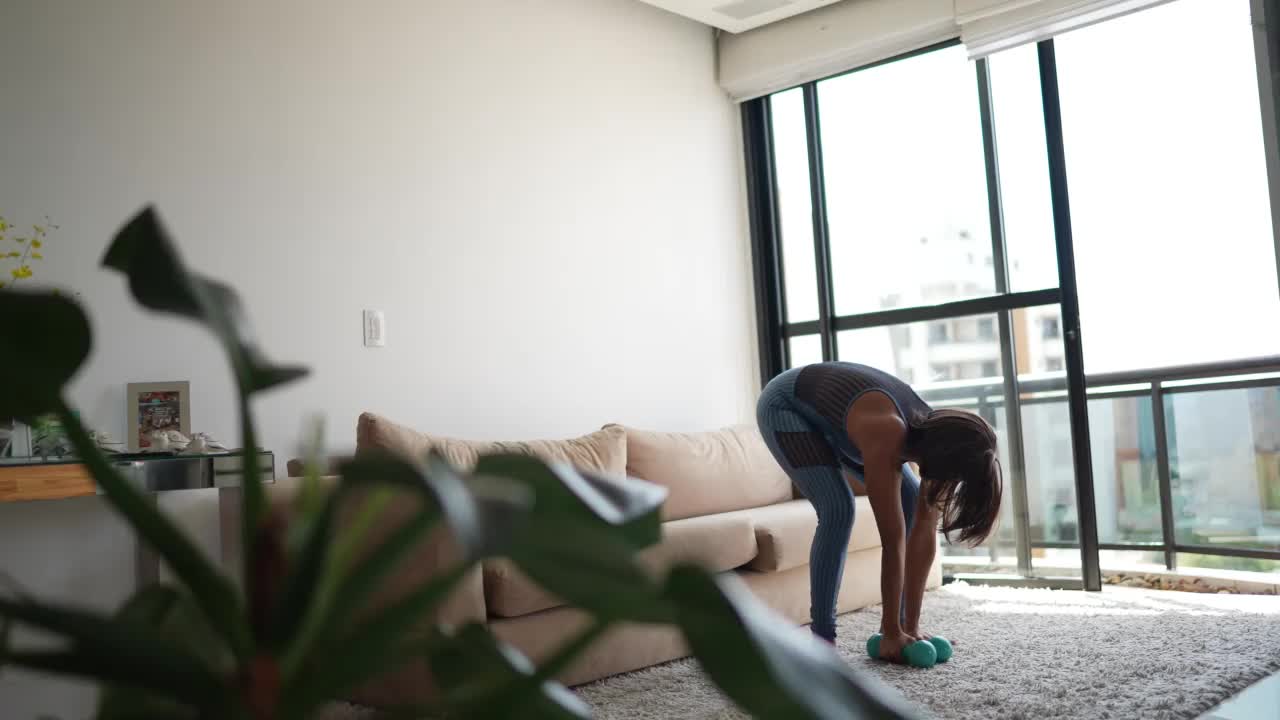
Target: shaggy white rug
1020	654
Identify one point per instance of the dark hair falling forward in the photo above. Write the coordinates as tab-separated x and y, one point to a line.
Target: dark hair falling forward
959	462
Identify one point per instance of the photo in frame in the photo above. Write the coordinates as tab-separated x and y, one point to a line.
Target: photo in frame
156	407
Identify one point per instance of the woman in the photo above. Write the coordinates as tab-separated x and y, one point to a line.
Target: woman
826	417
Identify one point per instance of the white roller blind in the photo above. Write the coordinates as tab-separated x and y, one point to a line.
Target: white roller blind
988	26
831	40
854	33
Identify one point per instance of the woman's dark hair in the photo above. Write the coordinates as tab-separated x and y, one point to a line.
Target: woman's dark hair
956	450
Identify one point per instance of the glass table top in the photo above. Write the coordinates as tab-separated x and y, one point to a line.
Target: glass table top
152	457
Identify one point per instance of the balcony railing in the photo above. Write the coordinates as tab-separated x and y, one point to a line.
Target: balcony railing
1160	387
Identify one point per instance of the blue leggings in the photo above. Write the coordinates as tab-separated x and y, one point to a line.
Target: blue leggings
803	445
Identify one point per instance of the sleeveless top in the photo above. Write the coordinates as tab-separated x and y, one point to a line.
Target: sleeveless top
828	390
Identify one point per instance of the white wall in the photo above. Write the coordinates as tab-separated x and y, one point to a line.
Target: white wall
545	198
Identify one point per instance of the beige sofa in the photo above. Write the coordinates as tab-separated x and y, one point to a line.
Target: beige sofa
730	508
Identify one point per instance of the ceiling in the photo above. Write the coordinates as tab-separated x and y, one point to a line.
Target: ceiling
736	16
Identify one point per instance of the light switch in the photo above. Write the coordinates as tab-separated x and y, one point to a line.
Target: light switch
375	329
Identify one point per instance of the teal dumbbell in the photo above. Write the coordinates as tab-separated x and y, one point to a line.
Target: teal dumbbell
919	654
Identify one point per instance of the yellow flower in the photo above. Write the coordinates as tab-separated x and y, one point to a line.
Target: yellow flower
37	244
37	256
26	271
14	254
16	273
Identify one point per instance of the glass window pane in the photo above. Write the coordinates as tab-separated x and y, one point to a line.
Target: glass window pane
1168	184
805	350
1051	478
1126	485
905	182
1224	460
1037	335
795	205
1024	169
1125	476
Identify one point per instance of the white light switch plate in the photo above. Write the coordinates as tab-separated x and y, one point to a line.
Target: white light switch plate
375	329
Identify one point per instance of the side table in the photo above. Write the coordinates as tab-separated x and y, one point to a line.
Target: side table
38	479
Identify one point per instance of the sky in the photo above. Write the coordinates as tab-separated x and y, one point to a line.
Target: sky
1170	212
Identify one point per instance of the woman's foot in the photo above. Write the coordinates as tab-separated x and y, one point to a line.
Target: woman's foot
828	635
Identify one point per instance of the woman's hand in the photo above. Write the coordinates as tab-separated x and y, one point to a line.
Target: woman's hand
892	645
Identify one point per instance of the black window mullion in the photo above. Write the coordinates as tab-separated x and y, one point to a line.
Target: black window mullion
1077	400
762	196
1266	15
995	202
821	238
1008	352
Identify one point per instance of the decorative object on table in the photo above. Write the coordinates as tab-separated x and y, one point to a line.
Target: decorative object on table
298	629
19	440
158	407
202	443
104	441
166	441
20	252
48	438
19	249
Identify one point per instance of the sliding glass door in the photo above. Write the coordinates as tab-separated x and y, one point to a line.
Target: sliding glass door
959	223
885	229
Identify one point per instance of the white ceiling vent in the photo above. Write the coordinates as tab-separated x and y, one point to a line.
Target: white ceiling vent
738	15
743	9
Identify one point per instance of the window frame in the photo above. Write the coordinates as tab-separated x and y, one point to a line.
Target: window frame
774	331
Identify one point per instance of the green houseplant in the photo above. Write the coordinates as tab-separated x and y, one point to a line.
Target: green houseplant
264	649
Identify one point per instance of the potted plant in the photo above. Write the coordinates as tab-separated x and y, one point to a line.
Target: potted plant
205	648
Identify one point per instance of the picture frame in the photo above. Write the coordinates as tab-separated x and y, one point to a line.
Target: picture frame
155	406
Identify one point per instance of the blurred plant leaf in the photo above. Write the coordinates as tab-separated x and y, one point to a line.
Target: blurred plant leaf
43	341
171	611
630	509
439	485
344	589
481	676
144	251
212	591
116	651
305	571
763	662
590	568
348	597
373	647
151	605
580	538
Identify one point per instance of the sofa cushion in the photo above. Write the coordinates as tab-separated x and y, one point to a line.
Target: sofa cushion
784	533
508	592
604	450
716	542
708	472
